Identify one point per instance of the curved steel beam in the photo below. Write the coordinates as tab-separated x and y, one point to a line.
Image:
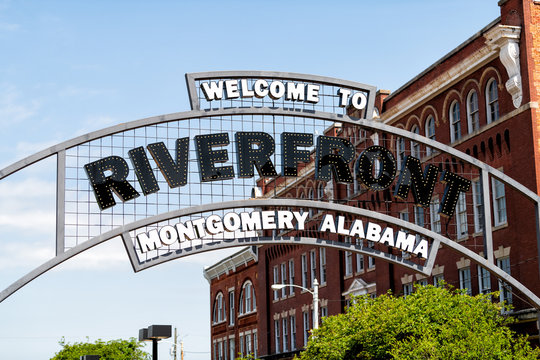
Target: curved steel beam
254	203
368	124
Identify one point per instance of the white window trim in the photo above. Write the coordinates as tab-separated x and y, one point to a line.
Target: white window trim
488	101
477	208
471	112
453	121
430	119
496	221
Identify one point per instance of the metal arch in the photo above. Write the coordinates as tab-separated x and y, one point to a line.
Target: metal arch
254	203
368	124
236	74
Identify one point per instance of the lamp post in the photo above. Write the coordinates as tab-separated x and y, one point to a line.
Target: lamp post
315	294
155	333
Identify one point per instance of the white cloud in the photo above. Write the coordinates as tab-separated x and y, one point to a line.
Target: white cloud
27	206
12	108
18	254
106	256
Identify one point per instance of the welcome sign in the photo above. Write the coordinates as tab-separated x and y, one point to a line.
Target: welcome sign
263	158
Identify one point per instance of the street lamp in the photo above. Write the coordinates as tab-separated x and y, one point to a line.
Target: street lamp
315	294
155	333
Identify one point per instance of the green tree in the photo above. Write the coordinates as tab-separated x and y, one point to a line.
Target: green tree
110	350
431	323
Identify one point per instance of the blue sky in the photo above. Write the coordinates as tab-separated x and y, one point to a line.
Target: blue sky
68	68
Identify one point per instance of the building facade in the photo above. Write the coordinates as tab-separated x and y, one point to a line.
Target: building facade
482	99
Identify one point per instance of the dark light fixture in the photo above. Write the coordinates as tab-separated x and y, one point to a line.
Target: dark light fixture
155	333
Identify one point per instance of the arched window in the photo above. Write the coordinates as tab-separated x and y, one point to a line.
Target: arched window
492	101
357	184
400	150
473	116
247	298
415	147
320	191
311	198
455	122
430	132
219	309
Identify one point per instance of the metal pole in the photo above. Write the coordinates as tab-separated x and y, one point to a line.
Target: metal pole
315	304
181	350
154	349
175	340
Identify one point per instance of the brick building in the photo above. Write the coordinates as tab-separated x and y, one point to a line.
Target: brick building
481	99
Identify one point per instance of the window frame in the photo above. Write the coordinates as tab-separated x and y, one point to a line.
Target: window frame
492	104
454	116
465	279
473	112
430	133
415	146
497	200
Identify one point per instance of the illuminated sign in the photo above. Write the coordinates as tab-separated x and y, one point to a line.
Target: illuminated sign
375	168
207	227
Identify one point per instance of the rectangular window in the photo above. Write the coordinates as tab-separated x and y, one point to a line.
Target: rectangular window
215	351
324	312
422	282
484	280
276	335
465	279
242	347
434	216
438	279
419	216
249	348
371	259
232	352
285	334
284	280
304	271
291	276
276	281
313	264
461	217
292	321
305	317
478	204
220	350
231	307
499	202
348	258
322	260
407	289
504	289
255	345
359	263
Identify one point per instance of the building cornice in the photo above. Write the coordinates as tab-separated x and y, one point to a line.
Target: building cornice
230	263
444	81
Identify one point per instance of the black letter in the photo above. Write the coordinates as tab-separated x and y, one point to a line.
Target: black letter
365	167
117	181
290	155
143	170
260	157
335	153
422	184
174	172
208	157
454	185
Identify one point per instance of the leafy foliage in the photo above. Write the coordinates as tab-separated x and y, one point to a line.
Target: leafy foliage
431	323
110	350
